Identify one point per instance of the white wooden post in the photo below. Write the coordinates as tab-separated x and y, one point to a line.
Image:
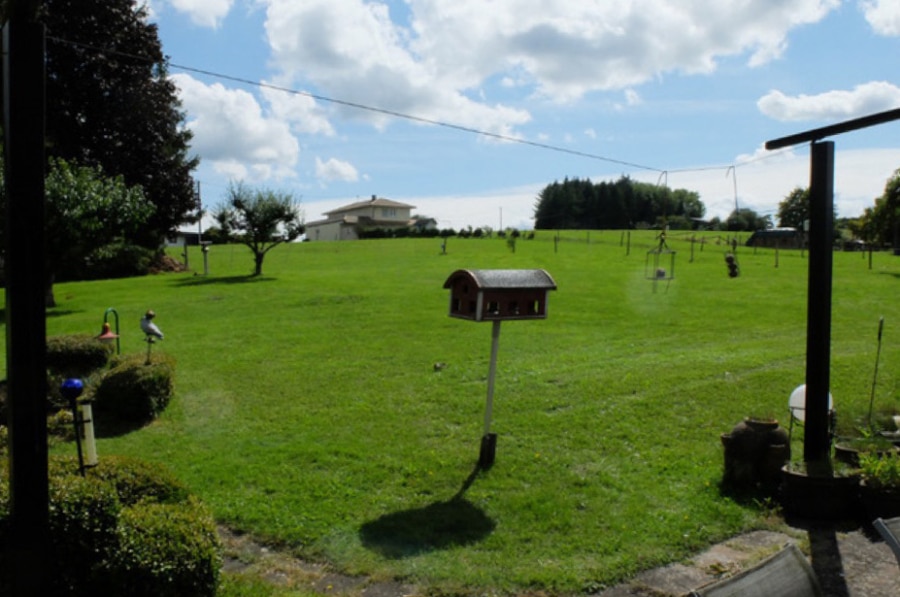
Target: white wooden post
495	343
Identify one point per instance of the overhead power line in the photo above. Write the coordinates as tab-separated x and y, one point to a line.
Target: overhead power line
410	117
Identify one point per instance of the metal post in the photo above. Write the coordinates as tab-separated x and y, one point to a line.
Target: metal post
489	440
495	343
105	318
26	357
817	443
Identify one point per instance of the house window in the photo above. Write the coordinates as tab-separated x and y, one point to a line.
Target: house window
388	212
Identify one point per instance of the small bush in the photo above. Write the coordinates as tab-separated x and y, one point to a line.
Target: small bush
76	355
127	528
167	550
83	534
137	480
880	471
134	391
120	259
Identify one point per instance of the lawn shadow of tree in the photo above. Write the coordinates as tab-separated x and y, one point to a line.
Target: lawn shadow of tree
439	525
198	280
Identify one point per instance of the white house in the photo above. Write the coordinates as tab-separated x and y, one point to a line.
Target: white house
345	222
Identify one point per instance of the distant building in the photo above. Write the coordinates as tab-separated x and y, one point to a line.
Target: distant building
778	238
345	222
181	238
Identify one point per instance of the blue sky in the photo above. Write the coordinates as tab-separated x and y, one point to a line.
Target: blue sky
677	93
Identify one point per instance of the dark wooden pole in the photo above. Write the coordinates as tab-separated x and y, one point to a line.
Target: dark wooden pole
817	443
26	353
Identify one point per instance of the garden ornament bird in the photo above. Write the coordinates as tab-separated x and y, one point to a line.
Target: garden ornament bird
150	328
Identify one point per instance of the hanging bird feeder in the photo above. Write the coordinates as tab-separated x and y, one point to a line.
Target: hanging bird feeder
660	264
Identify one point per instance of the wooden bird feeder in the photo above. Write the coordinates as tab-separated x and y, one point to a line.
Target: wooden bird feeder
497	295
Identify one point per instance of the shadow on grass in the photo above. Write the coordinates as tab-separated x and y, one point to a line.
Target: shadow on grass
198	280
439	525
108	425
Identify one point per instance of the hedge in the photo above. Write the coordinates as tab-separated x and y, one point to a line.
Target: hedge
128	527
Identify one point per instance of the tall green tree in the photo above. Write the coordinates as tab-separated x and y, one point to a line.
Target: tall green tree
86	214
581	204
884	218
746	219
260	219
793	210
110	104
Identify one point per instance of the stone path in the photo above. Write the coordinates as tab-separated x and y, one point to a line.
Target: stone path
849	563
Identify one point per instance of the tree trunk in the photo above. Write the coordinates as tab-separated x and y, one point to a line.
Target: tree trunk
258	258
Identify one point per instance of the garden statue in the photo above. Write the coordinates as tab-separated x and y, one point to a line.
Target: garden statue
151	330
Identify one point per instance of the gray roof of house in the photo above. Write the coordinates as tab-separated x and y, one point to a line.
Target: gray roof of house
374	202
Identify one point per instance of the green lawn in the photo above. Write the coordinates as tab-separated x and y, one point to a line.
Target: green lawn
308	410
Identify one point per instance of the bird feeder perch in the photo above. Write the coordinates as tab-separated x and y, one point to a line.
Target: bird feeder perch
497	295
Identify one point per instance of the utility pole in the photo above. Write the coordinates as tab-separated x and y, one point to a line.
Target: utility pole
26	357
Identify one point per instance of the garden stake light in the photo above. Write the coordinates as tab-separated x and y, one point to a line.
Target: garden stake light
875	376
71	389
106	334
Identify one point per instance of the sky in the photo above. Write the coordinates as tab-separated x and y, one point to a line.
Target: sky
466	109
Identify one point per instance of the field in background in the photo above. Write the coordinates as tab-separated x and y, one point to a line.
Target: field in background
309	412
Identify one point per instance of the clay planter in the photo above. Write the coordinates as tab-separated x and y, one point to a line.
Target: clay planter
755	451
819	496
848	451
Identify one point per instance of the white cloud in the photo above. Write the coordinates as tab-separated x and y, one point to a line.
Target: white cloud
354	51
568	49
232	132
882	15
335	169
632	97
301	111
206	13
435	63
868	98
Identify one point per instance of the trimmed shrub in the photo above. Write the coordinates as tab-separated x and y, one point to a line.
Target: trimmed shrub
134	391
120	259
129	527
139	481
76	355
167	550
84	518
